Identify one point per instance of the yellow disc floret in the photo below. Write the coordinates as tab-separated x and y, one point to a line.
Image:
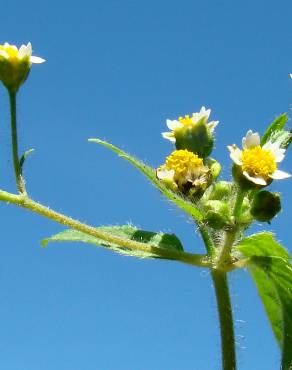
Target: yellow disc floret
186	120
11	50
182	162
258	162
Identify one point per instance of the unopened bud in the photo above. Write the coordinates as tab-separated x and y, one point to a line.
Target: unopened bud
217	214
265	205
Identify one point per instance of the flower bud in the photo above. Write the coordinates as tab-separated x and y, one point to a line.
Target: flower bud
265	205
193	133
214	166
15	65
245	216
220	190
197	139
217	214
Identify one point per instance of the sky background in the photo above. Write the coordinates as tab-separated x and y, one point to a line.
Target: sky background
117	70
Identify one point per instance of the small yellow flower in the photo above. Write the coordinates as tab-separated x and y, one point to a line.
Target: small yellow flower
188	122
183	167
15	64
258	163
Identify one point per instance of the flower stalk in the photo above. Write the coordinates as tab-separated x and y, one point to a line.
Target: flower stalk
14	139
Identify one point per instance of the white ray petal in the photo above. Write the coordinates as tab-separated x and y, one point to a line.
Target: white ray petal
212	125
251	140
204	112
173	124
23	52
235	154
280	175
255	180
164	174
38	60
279	153
169	136
4	54
29	48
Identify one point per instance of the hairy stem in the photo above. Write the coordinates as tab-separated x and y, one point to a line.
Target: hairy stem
230	235
238	203
207	239
27	203
16	164
225	318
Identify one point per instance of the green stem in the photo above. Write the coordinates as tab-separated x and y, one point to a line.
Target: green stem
225	318
207	239
16	164
27	203
230	235
238	203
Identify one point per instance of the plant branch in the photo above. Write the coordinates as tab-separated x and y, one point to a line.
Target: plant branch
27	203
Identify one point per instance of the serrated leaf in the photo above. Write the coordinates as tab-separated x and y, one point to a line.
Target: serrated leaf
159	240
276	126
270	267
150	173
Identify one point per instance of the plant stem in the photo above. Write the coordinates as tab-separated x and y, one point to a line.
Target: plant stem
17	169
225	318
238	203
207	239
27	203
230	235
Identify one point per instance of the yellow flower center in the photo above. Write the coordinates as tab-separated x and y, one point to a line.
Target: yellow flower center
186	120
182	162
10	50
258	162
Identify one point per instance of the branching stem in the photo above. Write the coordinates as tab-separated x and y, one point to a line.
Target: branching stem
27	203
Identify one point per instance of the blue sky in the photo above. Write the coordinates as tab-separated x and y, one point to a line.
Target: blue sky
116	70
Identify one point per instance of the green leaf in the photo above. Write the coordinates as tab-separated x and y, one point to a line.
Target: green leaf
151	239
262	244
150	173
24	157
270	267
276	126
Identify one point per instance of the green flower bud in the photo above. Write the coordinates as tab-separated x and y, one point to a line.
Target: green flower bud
217	214
265	205
245	216
197	139
220	190
215	167
193	133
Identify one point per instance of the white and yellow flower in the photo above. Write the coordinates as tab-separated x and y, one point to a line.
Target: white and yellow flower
15	55
15	64
259	164
188	122
183	167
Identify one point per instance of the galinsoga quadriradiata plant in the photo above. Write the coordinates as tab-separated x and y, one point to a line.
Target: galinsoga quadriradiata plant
222	211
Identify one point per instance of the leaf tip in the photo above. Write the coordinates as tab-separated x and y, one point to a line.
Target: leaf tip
44	243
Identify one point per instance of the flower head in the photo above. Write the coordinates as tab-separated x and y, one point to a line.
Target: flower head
184	170
258	163
193	133
188	122
15	64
